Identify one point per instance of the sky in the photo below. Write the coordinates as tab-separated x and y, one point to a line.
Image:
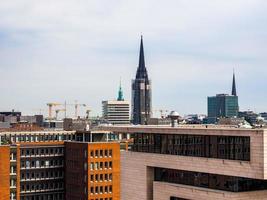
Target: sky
67	50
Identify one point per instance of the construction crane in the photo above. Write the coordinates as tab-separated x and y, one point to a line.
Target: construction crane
87	113
59	110
50	108
162	112
76	106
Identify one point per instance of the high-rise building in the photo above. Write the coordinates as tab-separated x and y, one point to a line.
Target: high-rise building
54	166
193	162
223	105
117	111
141	92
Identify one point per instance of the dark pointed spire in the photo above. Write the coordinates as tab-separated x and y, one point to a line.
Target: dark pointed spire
233	85
120	93
141	71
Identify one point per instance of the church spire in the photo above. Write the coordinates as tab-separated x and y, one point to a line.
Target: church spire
141	71
120	93
233	85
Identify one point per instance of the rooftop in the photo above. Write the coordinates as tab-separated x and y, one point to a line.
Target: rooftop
184	129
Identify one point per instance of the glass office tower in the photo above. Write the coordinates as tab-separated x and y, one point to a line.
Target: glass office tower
222	105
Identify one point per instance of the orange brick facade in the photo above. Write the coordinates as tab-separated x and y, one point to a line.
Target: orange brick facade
4	172
92	171
44	166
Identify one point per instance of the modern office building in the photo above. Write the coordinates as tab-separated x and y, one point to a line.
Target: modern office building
223	105
53	166
141	92
193	162
117	111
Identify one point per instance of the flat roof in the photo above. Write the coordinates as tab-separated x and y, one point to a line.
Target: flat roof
184	129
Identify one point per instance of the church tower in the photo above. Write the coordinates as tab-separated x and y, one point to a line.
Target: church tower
141	92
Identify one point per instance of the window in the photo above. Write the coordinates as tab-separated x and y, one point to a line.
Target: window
209	146
106	189
106	152
47	163
96	166
106	177
106	165
28	164
205	180
92	166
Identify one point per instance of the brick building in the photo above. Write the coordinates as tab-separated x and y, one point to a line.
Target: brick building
53	166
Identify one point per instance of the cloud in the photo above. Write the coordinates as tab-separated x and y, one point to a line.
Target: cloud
78	50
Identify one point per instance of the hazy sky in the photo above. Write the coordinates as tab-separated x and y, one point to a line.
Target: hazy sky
57	50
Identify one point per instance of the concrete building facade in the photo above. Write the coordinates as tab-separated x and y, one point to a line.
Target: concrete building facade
116	112
194	163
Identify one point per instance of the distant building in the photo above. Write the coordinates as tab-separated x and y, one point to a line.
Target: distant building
33	119
264	115
53	124
249	116
117	111
159	121
223	105
70	124
141	92
12	113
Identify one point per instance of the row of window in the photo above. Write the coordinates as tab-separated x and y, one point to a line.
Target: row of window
101	189
41	186
59	196
100	177
101	165
101	153
42	175
41	163
222	147
38	138
211	181
41	151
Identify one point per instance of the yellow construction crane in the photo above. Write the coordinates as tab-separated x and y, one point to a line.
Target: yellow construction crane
50	108
59	110
76	106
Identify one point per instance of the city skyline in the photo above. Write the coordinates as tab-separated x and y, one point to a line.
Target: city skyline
70	51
